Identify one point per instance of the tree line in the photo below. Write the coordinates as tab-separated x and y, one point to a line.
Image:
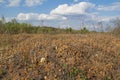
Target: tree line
14	27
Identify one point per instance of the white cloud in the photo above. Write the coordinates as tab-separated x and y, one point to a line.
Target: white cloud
98	18
80	8
35	16
1	1
31	3
27	16
72	15
13	3
108	18
113	7
51	17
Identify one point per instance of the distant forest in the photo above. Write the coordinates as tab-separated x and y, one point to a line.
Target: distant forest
14	27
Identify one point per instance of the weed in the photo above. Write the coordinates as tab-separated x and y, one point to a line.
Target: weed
75	71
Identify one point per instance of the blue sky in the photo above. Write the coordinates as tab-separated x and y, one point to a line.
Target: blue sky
61	13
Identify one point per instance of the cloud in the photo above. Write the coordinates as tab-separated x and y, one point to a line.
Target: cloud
14	3
51	17
1	1
99	18
108	18
68	15
113	7
31	3
36	16
80	8
27	16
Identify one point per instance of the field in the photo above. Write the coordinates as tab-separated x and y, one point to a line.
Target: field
59	57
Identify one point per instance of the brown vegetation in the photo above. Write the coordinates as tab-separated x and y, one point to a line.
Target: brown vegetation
59	57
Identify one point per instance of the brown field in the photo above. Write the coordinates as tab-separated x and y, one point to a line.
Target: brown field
59	57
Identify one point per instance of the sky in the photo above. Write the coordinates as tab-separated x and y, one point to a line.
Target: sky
61	13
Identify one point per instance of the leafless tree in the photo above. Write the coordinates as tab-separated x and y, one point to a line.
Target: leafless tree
100	25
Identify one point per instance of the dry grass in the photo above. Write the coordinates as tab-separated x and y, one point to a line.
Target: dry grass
59	57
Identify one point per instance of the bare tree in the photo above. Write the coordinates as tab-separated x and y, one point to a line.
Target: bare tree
93	25
116	23
42	23
100	25
3	19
